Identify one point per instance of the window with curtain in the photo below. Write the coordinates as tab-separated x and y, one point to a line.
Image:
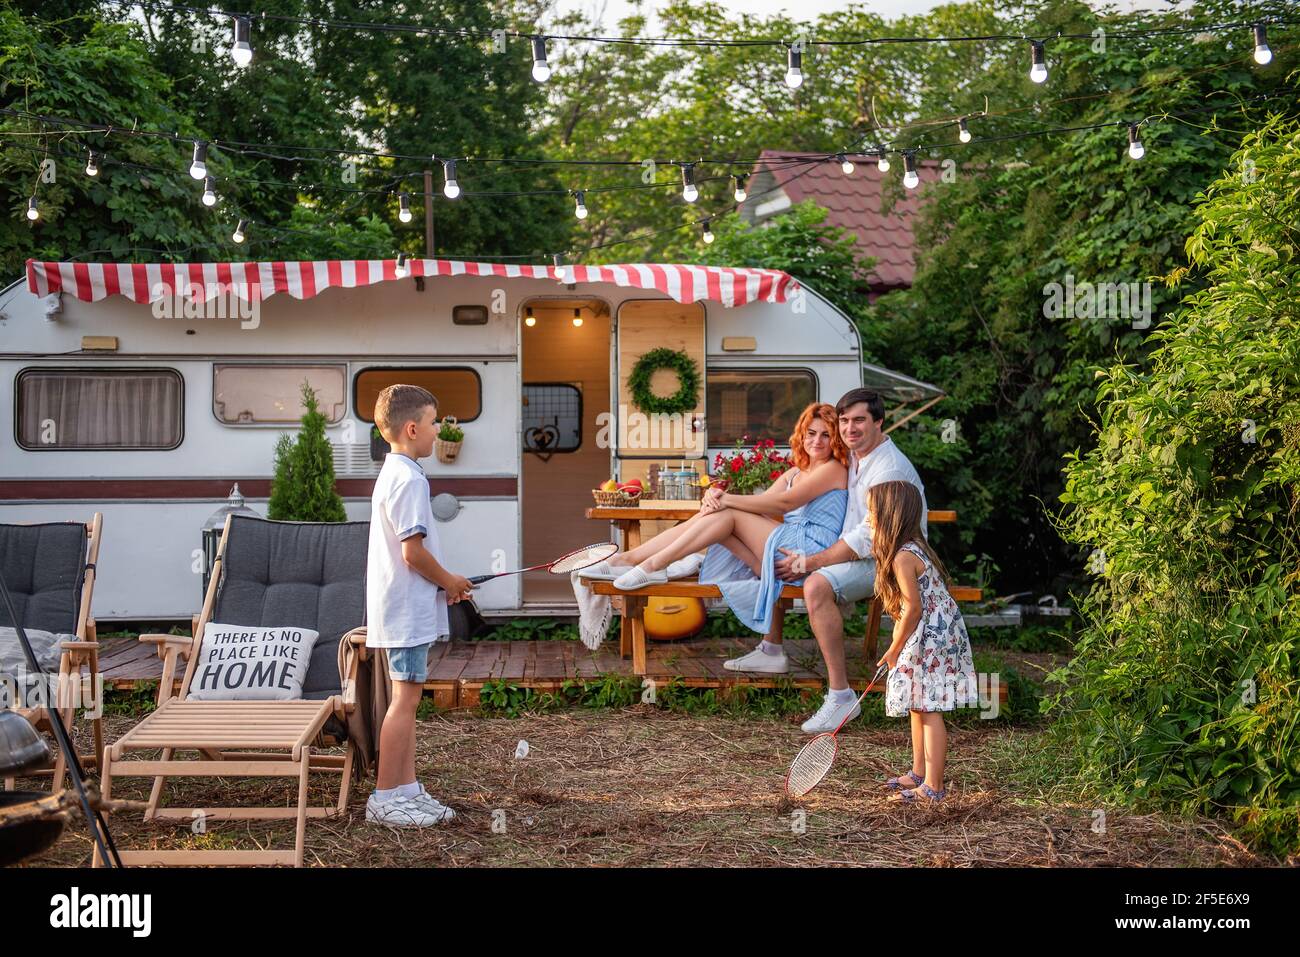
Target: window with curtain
259	393
99	409
459	390
763	404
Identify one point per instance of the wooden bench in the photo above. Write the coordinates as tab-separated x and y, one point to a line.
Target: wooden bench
632	639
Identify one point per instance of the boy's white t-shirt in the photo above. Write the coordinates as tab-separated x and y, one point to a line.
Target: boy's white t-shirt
403	608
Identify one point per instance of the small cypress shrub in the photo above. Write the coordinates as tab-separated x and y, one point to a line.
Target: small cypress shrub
303	487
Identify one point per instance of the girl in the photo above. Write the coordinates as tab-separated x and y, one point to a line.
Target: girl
929	659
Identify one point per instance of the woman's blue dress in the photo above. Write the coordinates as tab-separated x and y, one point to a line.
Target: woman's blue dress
807	529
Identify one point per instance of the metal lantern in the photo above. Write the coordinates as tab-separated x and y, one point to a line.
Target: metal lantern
213	528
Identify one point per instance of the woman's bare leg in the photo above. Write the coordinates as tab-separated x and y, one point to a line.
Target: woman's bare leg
741	551
751	530
643	551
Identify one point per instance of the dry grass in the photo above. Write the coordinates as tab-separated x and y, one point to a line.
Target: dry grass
642	787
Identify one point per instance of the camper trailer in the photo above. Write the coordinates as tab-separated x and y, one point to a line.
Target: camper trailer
147	392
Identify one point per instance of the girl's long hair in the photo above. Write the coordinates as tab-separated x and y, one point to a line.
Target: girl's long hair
894	510
798	454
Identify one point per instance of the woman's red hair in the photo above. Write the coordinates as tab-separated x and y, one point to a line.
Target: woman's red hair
820	410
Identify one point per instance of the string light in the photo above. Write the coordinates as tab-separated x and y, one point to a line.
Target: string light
882	160
910	179
209	197
577	317
580	210
846	164
1135	148
450	188
1263	54
1038	69
708	233
963	131
238	234
404	207
92	164
794	68
689	192
739	181
199	166
32	212
242	51
529	318
401	268
541	69
561	270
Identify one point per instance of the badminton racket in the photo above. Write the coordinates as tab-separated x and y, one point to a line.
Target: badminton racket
814	760
568	562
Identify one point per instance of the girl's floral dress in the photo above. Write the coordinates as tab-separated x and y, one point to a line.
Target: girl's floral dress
935	671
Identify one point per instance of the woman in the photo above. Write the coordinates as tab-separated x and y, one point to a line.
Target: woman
802	511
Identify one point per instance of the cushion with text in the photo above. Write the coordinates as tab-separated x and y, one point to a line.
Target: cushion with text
243	663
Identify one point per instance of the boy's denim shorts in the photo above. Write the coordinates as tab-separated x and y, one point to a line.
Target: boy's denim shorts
851	581
409	664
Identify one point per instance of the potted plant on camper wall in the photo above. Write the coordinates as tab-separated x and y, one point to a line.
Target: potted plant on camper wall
379	446
450	438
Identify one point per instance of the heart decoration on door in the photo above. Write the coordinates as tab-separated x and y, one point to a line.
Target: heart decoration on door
538	440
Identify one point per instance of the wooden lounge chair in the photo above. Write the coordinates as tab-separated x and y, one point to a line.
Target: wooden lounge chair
50	570
306	574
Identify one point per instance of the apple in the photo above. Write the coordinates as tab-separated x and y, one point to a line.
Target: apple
636	482
631	488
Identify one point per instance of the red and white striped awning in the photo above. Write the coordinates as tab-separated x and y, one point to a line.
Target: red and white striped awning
149	282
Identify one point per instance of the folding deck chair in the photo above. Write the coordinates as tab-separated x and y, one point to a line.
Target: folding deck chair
50	570
268	574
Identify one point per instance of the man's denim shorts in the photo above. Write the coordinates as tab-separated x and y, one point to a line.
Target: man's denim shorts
409	664
851	581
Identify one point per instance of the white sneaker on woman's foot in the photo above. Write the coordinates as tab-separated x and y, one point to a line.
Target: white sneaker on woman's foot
637	577
684	567
831	713
760	661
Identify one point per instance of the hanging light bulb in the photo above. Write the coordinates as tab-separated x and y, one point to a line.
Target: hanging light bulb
846	164
1038	68
580	210
910	179
561	270
739	180
1263	54
404	207
963	131
689	192
529	318
794	68
92	164
541	69
882	160
199	166
577	317
401	269
209	197
32	212
238	234
1135	148
242	51
708	233
450	188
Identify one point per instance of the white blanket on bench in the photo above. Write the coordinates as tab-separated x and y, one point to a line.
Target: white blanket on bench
594	613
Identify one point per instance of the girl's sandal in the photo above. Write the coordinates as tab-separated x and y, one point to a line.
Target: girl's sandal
896	784
913	795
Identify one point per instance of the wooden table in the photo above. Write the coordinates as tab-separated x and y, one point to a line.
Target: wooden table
629	520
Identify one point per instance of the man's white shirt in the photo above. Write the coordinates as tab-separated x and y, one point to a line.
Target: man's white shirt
885	463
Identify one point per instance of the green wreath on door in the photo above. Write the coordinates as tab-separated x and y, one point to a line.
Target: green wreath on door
688	374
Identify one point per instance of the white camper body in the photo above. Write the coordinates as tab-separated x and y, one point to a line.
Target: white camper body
216	392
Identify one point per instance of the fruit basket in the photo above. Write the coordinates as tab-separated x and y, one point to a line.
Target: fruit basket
618	498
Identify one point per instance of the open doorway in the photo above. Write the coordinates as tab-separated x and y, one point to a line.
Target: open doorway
565	369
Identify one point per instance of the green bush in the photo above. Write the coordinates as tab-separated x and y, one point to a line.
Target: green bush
1185	685
303	487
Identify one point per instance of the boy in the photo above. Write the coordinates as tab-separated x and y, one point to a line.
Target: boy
407	590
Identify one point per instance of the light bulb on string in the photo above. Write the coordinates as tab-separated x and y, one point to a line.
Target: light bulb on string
580	209
963	131
739	180
529	318
450	188
541	69
794	68
910	179
1263	54
708	232
689	192
1038	56
561	270
242	51
92	164
209	197
577	317
401	268
33	213
238	234
882	160
1135	148
404	207
199	165
846	164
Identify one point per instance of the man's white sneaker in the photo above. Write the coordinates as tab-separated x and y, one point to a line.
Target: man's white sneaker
760	661
400	812
440	810
830	714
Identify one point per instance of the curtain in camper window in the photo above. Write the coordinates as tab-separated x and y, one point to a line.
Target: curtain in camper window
99	409
761	404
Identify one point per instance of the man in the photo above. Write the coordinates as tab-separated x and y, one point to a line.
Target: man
844	573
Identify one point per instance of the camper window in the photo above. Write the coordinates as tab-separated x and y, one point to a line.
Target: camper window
763	404
261	394
458	389
99	409
552	417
